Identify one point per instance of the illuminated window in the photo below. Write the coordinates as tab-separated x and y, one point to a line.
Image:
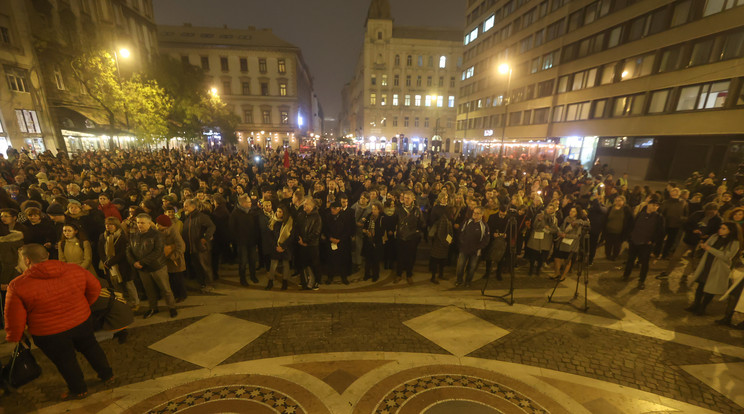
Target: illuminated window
451	102
283	89
442	62
373	99
282	66
407	101
383	99
395	99
383	81
418	100
488	24
440	101
427	100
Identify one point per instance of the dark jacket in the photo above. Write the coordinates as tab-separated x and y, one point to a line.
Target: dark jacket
410	222
119	258
147	248
42	233
309	228
474	236
267	237
244	226
197	226
439	246
372	245
627	221
221	220
647	228
695	222
9	245
287	245
674	212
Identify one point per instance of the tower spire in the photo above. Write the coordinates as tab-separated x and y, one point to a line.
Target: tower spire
379	10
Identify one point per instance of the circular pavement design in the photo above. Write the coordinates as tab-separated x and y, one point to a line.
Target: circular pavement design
420	389
234	393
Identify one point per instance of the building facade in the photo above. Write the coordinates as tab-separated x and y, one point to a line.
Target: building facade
402	96
652	87
262	78
24	115
61	30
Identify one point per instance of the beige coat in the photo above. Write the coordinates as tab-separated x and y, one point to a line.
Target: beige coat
718	279
76	253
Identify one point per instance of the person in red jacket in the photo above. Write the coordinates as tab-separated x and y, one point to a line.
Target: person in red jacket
53	298
109	209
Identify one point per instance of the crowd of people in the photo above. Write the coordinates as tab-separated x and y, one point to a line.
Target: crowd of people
155	225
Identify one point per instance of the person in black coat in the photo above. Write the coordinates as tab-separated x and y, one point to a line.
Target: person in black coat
113	247
697	228
283	234
309	228
243	225
597	214
648	231
40	230
389	224
221	242
266	246
474	237
501	237
616	227
338	230
372	247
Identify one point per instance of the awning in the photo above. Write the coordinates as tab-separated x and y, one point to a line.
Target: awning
81	118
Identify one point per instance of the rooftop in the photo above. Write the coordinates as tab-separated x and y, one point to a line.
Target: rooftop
250	37
427	33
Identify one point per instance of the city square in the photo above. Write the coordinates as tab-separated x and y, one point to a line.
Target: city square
377	206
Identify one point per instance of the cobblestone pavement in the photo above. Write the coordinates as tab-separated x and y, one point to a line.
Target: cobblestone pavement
618	357
630	360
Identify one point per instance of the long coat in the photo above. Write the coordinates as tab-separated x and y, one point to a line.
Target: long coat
572	228
119	258
439	245
718	279
548	226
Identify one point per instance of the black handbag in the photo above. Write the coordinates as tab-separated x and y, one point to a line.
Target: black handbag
22	367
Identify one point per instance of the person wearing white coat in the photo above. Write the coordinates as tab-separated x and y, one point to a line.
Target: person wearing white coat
712	273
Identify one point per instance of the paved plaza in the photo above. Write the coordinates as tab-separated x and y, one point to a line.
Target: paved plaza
394	348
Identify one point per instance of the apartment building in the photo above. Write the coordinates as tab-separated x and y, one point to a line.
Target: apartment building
652	87
262	78
402	96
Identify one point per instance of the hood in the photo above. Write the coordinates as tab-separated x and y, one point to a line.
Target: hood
49	269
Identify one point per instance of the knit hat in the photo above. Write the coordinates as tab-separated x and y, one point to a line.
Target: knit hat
55	209
164	220
73	201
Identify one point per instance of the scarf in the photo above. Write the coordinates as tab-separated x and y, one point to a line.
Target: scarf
111	239
285	231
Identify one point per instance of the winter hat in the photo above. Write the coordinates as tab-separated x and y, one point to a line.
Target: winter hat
164	220
73	201
55	209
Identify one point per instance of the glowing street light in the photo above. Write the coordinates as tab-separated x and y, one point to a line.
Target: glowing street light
213	91
504	68
125	53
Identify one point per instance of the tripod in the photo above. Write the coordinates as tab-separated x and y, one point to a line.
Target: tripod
582	260
511	251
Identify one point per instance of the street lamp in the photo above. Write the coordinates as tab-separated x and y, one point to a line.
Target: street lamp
505	69
213	91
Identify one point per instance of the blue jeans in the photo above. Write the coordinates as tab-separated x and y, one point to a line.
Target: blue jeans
471	260
246	257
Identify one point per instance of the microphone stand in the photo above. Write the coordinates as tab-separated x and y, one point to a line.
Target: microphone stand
511	251
582	257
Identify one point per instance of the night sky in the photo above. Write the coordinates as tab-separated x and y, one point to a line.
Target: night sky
329	32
